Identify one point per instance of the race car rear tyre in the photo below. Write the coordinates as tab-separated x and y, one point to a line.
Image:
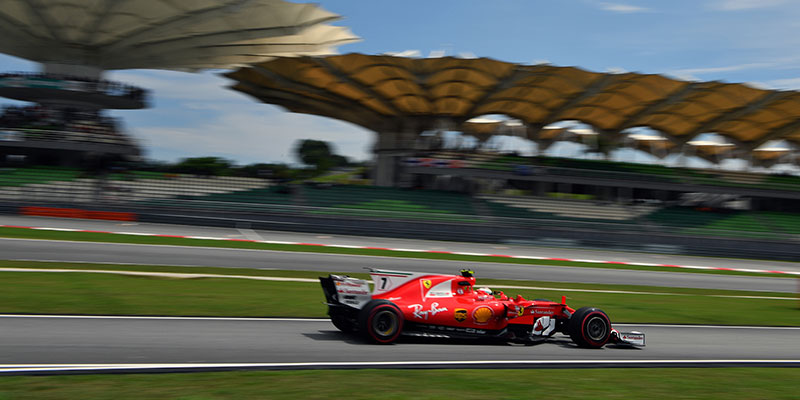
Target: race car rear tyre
589	327
381	321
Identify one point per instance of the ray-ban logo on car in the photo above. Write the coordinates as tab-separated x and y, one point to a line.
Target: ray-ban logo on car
418	312
426	283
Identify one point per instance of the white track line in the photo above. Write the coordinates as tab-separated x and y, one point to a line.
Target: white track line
161	274
42	316
308	280
178	318
8	368
177	275
791	328
114	263
251	234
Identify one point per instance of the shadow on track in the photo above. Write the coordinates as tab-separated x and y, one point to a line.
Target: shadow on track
561	341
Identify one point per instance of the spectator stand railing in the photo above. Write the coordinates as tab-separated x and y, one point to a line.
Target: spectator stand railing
72	83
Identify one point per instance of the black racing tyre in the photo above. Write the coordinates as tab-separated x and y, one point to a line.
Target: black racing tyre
381	321
589	327
342	322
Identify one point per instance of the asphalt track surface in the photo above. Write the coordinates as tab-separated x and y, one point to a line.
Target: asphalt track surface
93	344
22	249
490	248
28	341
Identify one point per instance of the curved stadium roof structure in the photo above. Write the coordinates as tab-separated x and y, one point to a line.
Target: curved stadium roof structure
76	40
165	34
396	94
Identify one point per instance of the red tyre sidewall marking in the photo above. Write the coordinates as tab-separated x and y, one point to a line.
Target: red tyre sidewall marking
583	330
399	322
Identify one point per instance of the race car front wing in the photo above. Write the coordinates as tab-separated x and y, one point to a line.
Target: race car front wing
633	338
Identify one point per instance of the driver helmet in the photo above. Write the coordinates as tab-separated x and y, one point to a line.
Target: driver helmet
484	291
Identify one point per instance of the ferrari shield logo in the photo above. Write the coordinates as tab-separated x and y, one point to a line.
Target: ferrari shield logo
460	314
426	283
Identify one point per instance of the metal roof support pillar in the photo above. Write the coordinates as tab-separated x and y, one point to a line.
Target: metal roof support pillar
390	150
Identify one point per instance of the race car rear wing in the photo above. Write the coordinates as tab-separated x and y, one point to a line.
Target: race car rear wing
341	290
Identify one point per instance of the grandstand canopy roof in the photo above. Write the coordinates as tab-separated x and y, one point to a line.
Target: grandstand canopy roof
386	92
165	34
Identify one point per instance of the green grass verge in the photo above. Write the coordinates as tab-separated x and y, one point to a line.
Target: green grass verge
117	238
677	383
89	293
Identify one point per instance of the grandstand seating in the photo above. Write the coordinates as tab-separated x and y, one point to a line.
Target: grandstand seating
744	224
539	207
739	177
623	170
782	180
784	222
249	194
68	186
373	200
25	176
259	195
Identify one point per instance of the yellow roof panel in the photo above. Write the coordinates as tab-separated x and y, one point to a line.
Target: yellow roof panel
456	89
451	106
526	112
476	78
374	74
413	104
398	88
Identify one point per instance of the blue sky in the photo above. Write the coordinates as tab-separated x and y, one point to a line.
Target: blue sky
753	41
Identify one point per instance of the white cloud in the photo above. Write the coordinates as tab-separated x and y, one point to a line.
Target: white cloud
179	85
622	8
196	115
788	84
683	76
738	5
757	85
405	53
730	68
249	137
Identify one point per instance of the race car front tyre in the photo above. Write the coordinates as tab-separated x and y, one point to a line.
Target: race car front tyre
381	321
589	327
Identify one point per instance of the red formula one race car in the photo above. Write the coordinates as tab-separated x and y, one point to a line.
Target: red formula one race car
449	306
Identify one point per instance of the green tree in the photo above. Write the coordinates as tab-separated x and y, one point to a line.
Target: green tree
264	170
203	166
319	154
313	152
